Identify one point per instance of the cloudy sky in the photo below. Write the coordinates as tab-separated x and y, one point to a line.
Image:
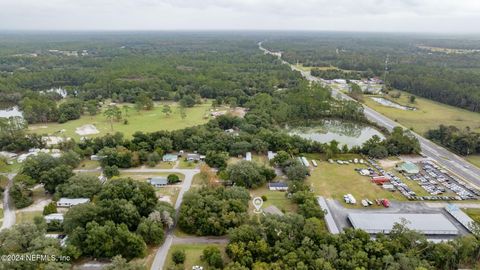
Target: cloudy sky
457	16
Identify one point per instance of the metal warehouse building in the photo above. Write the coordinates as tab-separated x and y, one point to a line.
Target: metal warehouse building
429	224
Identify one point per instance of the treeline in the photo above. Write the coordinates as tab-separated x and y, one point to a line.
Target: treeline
295	242
465	142
447	78
331	74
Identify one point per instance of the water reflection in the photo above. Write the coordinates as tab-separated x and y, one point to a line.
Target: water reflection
351	134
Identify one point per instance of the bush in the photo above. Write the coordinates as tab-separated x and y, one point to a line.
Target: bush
178	256
21	196
111	171
173	178
50	209
264	198
213	257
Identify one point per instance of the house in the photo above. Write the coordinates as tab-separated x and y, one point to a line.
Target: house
193	157
169	158
54	217
278	186
67	202
248	156
271	155
158	181
408	167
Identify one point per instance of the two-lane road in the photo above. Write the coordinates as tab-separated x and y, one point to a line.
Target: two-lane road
440	155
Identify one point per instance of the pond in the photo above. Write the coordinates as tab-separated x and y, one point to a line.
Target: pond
10	112
351	134
388	103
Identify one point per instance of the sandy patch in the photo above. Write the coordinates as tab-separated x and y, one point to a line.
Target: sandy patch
413	159
387	163
165	199
37	127
86	130
36	206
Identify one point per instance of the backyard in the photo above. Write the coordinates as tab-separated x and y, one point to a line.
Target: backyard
193	253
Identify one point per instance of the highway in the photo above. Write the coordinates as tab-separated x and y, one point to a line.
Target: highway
438	154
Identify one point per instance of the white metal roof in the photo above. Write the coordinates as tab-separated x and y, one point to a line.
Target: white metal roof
383	222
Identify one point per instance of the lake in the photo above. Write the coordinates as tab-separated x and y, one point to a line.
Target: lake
351	134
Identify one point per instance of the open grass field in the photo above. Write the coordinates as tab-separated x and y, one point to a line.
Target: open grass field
193	253
334	181
474	213
276	198
146	121
143	176
24	217
429	114
87	164
474	159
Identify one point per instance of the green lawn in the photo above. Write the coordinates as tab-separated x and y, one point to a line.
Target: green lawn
145	175
87	164
334	181
474	213
276	198
5	168
146	121
429	114
24	217
183	164
193	253
474	159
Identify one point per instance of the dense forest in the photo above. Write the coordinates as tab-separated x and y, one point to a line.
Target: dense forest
443	69
464	142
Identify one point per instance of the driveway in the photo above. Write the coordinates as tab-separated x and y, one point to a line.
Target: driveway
8	208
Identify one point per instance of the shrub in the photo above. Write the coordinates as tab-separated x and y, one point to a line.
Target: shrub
178	256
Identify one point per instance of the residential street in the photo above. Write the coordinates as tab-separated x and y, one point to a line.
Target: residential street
8	209
440	155
161	255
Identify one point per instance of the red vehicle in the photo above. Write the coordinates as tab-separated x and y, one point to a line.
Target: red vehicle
385	203
379	180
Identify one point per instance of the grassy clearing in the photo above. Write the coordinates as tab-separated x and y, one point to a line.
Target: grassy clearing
168	194
474	213
429	114
146	121
276	198
24	217
87	164
199	180
334	181
143	176
5	168
474	159
193	253
183	164
165	165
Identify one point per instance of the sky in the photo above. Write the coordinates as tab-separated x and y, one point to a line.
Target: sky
438	16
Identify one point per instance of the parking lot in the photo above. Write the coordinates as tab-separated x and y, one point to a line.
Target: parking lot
437	182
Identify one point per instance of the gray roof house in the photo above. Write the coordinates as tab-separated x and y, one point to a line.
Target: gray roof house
158	181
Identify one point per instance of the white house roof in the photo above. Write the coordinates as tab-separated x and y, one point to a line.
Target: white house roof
55	216
73	201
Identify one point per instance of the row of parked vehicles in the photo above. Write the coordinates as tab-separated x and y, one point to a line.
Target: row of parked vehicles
349	199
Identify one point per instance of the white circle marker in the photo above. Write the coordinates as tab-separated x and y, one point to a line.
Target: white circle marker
257	202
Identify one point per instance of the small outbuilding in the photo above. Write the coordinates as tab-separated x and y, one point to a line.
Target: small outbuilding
193	157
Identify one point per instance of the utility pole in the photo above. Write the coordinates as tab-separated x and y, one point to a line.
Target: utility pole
385	73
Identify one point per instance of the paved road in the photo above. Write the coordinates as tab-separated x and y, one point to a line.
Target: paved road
440	155
8	209
200	240
162	252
